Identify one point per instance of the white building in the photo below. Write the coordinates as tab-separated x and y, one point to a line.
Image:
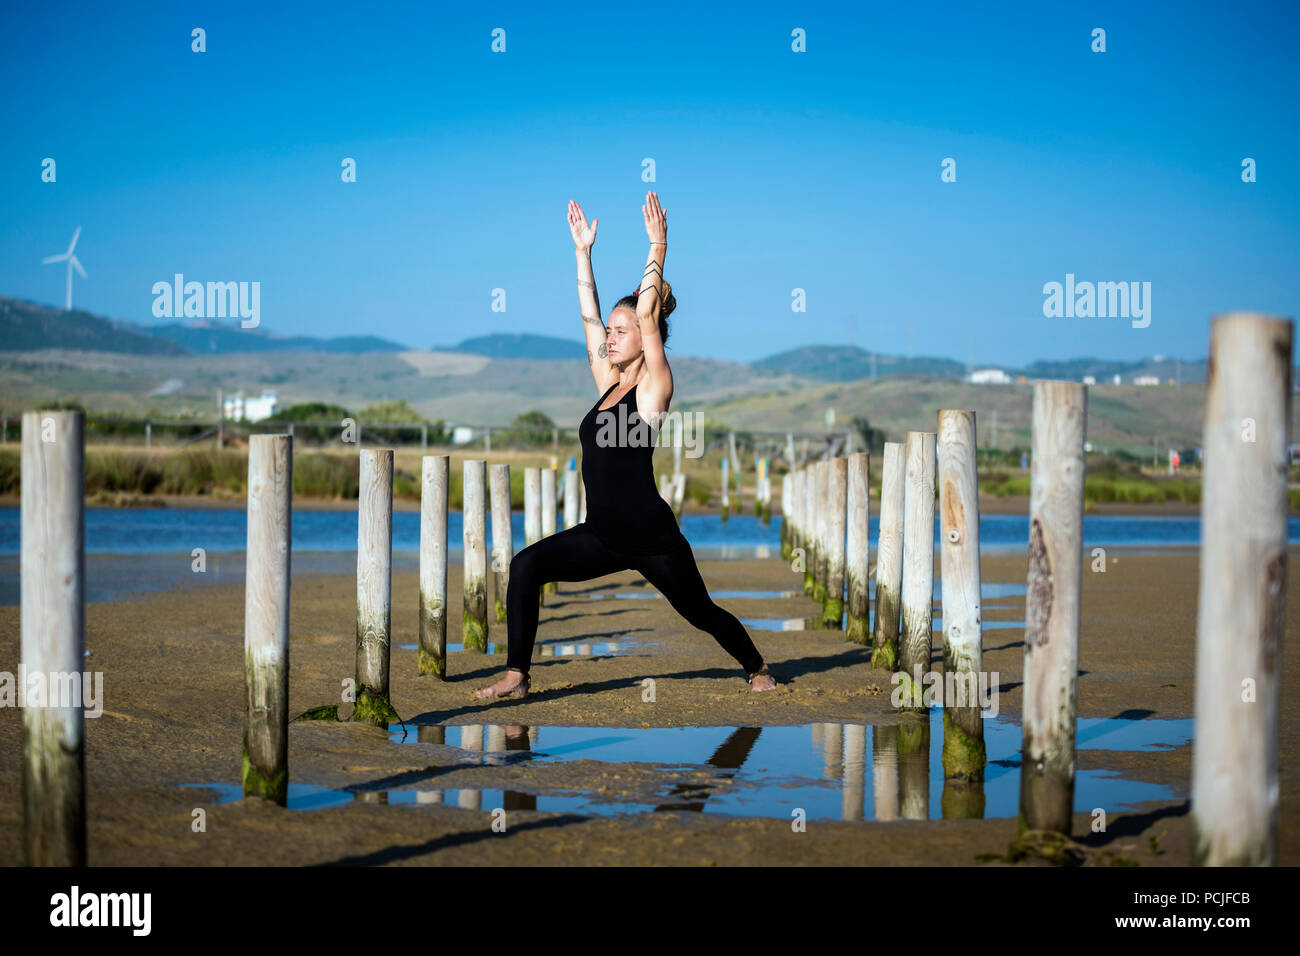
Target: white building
989	376
1089	380
240	409
462	435
1147	380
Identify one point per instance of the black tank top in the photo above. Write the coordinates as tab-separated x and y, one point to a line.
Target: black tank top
624	508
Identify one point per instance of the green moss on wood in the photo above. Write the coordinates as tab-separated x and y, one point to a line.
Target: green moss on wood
885	656
430	663
859	630
373	708
473	632
257	784
501	611
964	756
323	712
833	612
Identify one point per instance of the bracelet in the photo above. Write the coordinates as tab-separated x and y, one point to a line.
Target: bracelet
653	243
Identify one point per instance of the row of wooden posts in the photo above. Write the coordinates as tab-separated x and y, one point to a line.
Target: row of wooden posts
1239	620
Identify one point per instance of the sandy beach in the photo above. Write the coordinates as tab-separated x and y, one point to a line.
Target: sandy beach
173	714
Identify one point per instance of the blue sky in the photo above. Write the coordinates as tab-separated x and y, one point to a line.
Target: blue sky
779	170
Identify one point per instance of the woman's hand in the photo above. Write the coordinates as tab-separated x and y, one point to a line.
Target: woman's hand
656	219
584	235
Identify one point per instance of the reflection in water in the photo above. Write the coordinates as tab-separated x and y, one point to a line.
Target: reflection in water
820	769
573	649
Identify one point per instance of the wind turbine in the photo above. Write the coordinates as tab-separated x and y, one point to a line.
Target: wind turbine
72	264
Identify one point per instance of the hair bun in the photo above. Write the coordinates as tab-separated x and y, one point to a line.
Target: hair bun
668	303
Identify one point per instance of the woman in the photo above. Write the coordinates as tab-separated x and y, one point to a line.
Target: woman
628	526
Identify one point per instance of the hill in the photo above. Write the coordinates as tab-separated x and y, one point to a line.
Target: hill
523	345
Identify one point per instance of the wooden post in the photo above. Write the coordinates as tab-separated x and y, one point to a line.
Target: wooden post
433	565
266	618
789	450
1240	619
148	435
374	586
503	538
548	517
570	497
726	487
221	419
53	628
918	566
823	530
474	521
1052	606
787	525
735	467
582	500
533	511
889	558
810	529
796	511
424	437
858	548
532	505
837	475
959	563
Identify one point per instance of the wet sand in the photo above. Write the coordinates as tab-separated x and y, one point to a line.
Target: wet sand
173	684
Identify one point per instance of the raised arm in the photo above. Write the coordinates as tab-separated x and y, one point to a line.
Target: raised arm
649	301
584	237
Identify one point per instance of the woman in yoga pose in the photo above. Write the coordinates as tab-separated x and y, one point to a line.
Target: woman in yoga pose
628	526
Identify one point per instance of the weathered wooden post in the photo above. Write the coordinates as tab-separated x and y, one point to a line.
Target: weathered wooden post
582	500
374	586
570	498
889	557
858	557
855	766
787	525
726	487
837	495
735	467
433	565
265	759
532	505
53	628
474	521
678	493
533	511
810	530
918	566
758	487
503	538
823	533
1240	619
797	494
548	517
959	564
1052	606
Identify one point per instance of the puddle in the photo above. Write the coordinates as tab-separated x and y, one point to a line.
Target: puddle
567	649
757	595
829	771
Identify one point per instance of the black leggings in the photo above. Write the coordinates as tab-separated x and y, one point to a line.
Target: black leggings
576	554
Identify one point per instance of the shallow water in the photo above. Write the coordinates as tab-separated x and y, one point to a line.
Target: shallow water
829	771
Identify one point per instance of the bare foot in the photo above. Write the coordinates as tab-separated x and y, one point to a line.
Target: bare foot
762	680
514	685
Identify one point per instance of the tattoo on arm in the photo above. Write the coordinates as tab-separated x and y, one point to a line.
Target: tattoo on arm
603	351
589	361
585	283
594	320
